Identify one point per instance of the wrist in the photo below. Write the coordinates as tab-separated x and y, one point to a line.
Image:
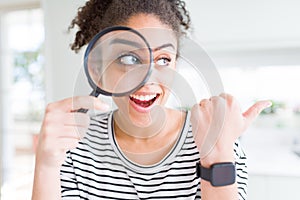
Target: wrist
49	175
218	155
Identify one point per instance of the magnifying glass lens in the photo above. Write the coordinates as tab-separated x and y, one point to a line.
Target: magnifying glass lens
118	62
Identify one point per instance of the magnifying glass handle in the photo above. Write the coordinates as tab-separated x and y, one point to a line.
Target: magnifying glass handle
84	110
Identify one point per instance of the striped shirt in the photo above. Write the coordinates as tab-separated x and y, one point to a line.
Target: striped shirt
97	168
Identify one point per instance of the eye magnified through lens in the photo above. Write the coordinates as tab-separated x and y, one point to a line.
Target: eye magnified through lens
117	61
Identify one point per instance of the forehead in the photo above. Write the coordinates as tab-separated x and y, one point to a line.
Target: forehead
155	32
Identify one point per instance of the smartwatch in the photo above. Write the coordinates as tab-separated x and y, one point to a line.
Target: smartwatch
219	174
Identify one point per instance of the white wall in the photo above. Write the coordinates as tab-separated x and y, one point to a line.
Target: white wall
14	4
256	23
264	187
5	119
248	33
62	64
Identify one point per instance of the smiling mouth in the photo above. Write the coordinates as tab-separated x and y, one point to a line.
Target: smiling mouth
144	100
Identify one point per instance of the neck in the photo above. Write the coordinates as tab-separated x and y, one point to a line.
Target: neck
141	145
149	125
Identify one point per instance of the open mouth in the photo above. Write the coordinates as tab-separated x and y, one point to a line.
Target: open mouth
144	100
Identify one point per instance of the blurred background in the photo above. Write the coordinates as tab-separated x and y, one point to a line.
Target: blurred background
255	46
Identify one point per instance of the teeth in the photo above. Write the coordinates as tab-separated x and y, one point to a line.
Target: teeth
143	97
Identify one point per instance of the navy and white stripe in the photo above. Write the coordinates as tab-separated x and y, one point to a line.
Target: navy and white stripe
97	169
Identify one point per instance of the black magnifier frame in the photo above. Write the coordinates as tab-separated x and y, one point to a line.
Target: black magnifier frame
96	90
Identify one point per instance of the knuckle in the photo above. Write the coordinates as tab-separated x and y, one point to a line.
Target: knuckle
203	102
195	108
231	101
215	98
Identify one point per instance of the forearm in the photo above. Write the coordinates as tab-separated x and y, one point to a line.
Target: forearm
209	192
46	184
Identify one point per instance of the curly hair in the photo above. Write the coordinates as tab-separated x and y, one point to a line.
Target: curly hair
96	15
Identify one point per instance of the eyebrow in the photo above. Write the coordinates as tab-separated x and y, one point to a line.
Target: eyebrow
138	45
127	42
164	46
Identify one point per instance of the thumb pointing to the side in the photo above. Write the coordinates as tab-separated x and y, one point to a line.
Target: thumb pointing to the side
252	113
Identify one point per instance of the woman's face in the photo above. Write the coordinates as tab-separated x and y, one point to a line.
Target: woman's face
163	43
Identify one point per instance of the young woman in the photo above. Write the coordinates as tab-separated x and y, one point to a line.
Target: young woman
124	154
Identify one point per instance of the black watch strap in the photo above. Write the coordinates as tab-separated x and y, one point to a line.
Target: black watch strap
203	172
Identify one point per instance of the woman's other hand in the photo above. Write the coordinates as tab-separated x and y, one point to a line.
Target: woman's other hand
217	123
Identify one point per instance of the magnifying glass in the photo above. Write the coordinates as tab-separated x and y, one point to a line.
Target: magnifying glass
112	55
117	62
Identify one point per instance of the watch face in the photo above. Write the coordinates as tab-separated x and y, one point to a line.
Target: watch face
223	174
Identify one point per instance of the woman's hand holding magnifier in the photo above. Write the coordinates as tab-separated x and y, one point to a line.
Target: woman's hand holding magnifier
61	131
62	128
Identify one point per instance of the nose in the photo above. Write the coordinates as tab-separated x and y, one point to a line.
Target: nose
162	75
